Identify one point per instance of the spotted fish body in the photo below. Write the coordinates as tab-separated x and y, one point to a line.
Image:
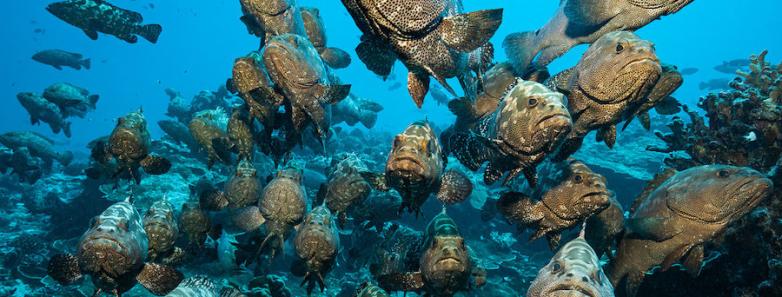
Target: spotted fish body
93	16
345	186
270	18
445	265
582	22
113	252
530	123
196	286
610	83
574	271
571	193
416	168
317	244
42	110
240	135
251	81
194	222
129	144
162	229
115	245
282	205
309	87
207	129
678	214
415	165
431	37
370	290
38	145
244	188
71	99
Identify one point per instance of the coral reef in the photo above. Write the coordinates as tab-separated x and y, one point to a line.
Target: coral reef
742	126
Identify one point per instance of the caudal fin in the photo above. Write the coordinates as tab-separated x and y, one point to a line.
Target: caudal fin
151	32
66	129
335	58
368	119
65	158
93	100
86	63
520	48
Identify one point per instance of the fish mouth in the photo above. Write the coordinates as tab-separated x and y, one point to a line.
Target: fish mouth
756	188
407	163
553	116
571	290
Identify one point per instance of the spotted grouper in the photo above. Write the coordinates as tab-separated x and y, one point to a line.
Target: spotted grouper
316	244
431	37
415	169
113	252
574	271
579	22
678	213
530	123
610	83
570	194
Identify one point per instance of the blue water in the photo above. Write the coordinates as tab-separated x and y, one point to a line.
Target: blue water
201	38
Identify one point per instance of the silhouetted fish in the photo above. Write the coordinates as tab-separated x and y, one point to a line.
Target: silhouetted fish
93	16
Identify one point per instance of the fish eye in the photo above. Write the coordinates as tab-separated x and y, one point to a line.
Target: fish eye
532	102
397	140
123	225
723	173
556	267
578	178
619	47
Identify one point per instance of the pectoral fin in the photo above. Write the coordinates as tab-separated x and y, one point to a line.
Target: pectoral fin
455	187
159	279
418	86
376	180
652	228
674	256
334	93
155	165
376	55
401	281
467	32
64	268
607	135
590	13
694	260
92	34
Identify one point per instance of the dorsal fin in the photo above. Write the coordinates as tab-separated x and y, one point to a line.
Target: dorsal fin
653	184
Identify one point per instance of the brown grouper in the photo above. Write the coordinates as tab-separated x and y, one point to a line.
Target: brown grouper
316	244
610	83
308	85
574	271
445	267
113	252
530	123
415	169
569	194
678	213
582	22
93	16
431	37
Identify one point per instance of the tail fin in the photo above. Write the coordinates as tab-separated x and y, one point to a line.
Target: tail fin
151	32
86	63
368	119
335	58
702	86
66	158
516	206
520	48
93	100
66	129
